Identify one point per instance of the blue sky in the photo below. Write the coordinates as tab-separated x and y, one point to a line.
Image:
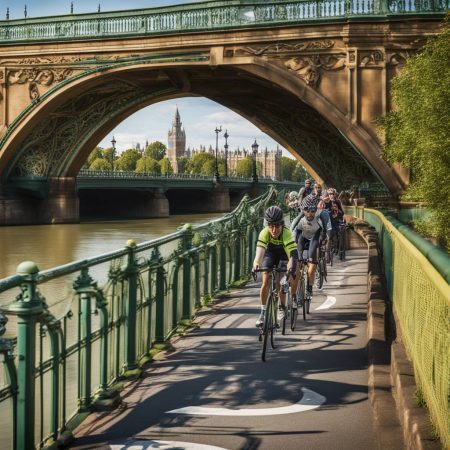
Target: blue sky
200	116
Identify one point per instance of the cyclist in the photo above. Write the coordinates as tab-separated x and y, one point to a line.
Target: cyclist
334	208
314	227
291	200
275	243
312	199
304	191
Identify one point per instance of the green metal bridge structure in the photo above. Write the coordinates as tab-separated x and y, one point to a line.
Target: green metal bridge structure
312	74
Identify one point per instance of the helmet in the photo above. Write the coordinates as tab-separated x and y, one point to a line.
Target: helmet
292	197
273	214
310	207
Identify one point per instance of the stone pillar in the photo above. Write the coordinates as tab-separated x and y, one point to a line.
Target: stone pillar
17	208
220	199
160	205
62	204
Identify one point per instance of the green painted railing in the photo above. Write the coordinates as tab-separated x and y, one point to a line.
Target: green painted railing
207	16
418	276
63	354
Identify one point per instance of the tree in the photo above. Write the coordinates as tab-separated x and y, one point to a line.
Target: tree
100	164
147	164
166	167
156	150
244	167
109	154
183	165
299	174
199	160
208	167
128	159
417	134
95	154
288	166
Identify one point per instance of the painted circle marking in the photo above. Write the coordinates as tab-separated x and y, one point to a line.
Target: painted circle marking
310	400
162	445
328	303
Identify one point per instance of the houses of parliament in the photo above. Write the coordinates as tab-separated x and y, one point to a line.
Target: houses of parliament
270	159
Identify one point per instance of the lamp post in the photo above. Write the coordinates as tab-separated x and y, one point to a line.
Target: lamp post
216	162
255	151
226	136
113	153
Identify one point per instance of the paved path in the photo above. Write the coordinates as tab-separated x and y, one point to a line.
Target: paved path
310	394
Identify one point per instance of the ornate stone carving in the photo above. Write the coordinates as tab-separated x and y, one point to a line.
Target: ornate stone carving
37	76
398	59
309	68
371	59
282	48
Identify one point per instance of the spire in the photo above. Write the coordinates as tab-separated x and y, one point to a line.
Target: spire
176	119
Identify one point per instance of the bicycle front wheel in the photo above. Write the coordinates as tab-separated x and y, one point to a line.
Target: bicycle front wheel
301	294
266	328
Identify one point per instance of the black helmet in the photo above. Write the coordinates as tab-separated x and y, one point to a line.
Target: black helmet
273	214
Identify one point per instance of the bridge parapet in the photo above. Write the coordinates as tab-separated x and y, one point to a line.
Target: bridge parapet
206	16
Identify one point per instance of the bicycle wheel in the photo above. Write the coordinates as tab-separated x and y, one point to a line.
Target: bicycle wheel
341	245
274	320
325	273
293	316
301	292
319	274
267	327
308	303
330	255
288	313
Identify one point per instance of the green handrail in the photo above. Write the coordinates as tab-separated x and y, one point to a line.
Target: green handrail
106	331
210	15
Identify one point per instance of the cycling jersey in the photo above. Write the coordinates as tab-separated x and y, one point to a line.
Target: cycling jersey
321	221
285	241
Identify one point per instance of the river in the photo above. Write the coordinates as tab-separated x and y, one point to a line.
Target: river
52	245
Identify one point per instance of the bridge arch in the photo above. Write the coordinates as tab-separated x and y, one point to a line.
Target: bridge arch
55	135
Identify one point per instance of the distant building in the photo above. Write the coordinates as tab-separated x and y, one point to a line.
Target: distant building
270	159
176	139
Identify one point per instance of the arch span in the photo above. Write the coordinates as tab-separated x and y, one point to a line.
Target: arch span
57	134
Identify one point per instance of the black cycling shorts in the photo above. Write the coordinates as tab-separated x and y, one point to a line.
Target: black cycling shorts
273	256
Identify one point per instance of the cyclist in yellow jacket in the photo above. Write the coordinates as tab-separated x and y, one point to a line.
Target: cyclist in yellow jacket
275	243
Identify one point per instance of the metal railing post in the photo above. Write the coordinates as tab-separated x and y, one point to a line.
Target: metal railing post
223	267
160	306
85	286
187	245
130	306
28	307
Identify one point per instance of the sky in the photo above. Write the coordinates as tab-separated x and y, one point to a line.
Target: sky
199	116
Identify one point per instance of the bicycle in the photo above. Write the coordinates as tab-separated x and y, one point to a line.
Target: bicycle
321	268
270	324
332	248
303	297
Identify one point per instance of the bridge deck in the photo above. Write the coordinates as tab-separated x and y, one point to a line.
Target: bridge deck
322	365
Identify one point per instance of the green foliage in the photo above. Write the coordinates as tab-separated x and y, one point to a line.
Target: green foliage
199	160
166	167
244	167
147	164
100	164
128	159
156	150
110	155
288	166
95	154
299	174
183	165
208	167
417	130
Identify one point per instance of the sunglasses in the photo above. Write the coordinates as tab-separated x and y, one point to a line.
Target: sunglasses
274	225
330	193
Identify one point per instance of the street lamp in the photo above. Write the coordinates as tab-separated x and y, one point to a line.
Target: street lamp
226	136
216	163
113	153
255	151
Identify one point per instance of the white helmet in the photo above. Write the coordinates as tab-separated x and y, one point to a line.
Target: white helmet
292	196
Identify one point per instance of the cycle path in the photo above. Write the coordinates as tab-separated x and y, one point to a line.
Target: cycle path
213	391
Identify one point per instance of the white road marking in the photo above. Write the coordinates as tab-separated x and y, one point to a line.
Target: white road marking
310	400
328	303
161	445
